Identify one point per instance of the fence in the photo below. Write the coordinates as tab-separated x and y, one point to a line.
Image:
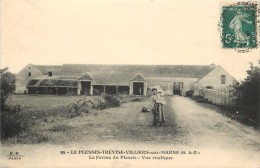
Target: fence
222	98
241	102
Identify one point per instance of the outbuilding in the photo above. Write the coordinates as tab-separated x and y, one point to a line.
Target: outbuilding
92	79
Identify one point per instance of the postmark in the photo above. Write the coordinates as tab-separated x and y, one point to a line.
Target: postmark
240	26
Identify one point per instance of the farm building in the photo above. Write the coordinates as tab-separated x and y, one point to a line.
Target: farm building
90	79
209	81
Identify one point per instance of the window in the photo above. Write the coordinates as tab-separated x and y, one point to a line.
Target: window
223	79
209	87
29	74
50	73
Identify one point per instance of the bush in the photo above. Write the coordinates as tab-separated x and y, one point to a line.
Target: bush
189	93
200	99
12	121
137	99
108	102
101	105
75	109
112	101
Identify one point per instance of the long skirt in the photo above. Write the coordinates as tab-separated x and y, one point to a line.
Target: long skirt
158	115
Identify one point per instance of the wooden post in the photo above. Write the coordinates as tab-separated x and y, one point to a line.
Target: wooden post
131	88
78	88
117	89
91	88
104	89
145	88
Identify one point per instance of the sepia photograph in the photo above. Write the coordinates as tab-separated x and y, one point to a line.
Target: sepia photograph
130	84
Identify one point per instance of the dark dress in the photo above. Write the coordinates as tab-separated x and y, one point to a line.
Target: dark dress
158	115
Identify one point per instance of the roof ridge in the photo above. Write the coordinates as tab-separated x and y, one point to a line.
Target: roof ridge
47	65
138	74
207	73
140	64
87	75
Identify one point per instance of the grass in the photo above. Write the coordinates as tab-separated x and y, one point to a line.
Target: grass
61	128
48	121
28	137
137	99
39	102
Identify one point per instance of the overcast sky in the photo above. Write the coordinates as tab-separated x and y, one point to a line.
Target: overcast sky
49	32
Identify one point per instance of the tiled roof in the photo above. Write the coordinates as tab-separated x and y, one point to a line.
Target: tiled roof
32	82
55	83
45	69
122	74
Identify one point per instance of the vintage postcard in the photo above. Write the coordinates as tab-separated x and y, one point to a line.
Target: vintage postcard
136	83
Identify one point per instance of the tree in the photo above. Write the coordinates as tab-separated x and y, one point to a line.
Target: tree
12	122
248	93
7	85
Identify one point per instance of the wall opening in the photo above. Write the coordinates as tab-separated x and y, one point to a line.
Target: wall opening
50	74
110	90
123	89
177	88
209	87
31	90
62	91
138	88
97	90
223	79
85	87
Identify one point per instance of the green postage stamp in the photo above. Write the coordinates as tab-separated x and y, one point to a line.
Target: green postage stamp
240	25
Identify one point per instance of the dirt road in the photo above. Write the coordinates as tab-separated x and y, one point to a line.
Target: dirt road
208	128
187	123
189	126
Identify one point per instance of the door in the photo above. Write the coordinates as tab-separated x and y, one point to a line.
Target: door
85	87
138	88
177	87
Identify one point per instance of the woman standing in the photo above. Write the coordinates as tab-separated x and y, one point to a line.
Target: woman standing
157	107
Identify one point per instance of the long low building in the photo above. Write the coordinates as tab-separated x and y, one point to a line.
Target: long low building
91	79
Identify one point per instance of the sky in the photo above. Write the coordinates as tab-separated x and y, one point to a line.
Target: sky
56	32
